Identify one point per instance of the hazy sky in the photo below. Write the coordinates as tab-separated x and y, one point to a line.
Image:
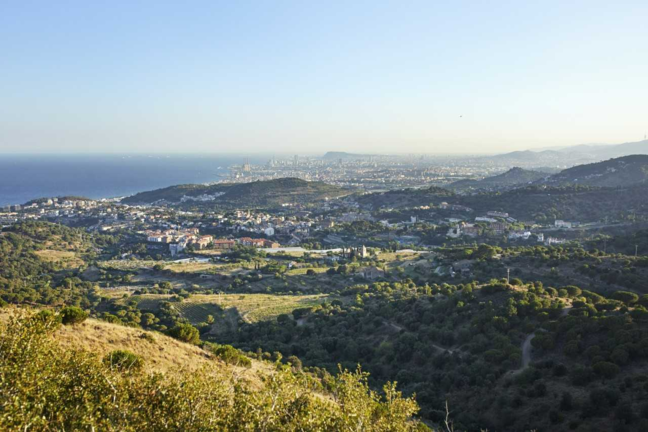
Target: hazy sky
310	76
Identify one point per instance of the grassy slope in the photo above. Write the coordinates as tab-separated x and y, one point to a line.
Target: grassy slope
164	354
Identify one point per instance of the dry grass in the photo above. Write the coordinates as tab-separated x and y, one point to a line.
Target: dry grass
251	307
67	258
191	267
164	354
302	271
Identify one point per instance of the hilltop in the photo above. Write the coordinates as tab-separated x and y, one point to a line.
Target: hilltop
514	177
619	172
335	155
258	193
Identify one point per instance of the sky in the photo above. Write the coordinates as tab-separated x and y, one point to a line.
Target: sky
310	76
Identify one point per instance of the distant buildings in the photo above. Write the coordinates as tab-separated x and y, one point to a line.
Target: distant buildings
550	241
497	214
564	224
372	273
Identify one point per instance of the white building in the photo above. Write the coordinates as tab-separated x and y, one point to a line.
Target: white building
563	224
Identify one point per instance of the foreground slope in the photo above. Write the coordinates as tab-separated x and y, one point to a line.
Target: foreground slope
54	383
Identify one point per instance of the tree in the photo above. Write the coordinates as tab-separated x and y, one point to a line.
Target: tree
72	315
606	369
295	362
185	333
626	297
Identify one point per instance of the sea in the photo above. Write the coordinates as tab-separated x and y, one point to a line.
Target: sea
27	177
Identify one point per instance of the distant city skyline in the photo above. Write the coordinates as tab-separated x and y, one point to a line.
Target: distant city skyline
289	77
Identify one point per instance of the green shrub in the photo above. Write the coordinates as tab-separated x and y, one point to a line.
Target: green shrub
72	315
228	354
185	333
123	360
295	362
47	316
626	297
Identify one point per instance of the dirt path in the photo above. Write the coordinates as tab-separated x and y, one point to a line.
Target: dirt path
437	347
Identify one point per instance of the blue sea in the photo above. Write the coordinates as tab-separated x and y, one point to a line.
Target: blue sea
26	177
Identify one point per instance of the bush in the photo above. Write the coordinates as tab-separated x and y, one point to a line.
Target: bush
228	354
572	291
185	333
47	316
123	360
72	315
626	297
295	362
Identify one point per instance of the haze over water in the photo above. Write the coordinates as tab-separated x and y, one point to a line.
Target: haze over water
26	177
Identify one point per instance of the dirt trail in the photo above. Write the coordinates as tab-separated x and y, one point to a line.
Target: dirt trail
437	347
527	348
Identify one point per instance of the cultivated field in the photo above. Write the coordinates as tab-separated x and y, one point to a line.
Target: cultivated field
67	258
251	307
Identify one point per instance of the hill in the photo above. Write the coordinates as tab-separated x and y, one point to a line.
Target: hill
49	380
571	155
161	353
402	198
35	257
529	158
604	151
259	193
541	203
547	203
619	172
514	177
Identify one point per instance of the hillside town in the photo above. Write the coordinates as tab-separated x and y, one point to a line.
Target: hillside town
326	226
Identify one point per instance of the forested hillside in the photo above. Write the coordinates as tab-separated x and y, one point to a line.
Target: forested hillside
556	358
258	193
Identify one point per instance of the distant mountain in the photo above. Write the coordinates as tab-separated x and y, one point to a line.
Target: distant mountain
529	158
572	155
619	172
609	151
333	155
514	177
258	193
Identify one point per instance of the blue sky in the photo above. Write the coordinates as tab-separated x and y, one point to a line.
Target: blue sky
307	76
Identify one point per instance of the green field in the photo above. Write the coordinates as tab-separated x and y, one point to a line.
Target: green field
251	307
302	271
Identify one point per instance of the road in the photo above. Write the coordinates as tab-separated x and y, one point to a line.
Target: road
526	351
